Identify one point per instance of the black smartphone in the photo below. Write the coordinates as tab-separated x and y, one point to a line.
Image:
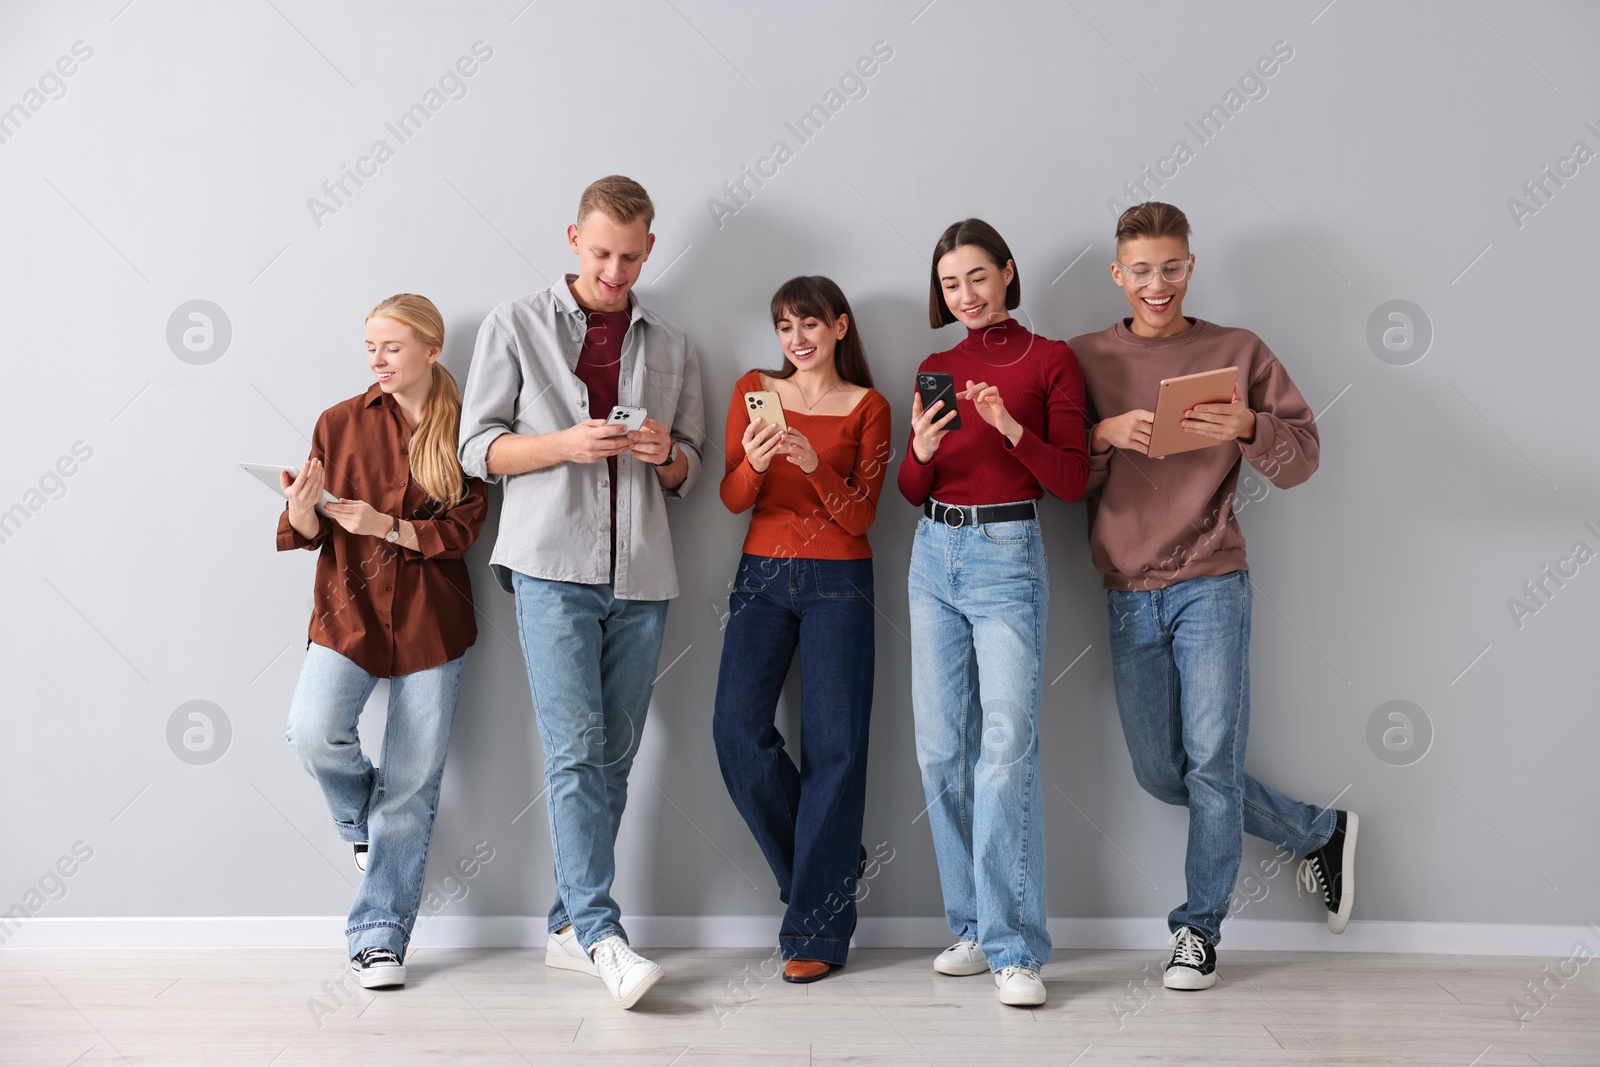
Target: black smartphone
938	385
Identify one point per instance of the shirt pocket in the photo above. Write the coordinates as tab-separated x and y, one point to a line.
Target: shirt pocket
659	396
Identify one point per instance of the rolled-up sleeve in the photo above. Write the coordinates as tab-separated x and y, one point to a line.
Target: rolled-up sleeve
689	422
489	399
450	534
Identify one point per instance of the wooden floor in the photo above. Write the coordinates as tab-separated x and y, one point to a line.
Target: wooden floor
283	1008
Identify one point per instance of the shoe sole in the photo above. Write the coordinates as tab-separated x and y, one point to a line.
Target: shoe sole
641	989
384	978
563	962
1029	1000
813	978
1184	978
1338	920
960	971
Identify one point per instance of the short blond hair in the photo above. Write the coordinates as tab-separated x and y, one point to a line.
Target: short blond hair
621	199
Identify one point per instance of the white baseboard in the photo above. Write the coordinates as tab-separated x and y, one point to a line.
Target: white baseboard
760	931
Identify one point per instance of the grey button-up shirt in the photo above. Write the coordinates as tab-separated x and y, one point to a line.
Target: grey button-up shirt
556	522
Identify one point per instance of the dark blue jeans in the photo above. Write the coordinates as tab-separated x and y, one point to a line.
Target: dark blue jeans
807	820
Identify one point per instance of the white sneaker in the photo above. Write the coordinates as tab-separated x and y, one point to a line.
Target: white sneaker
565	951
627	974
961	959
1019	986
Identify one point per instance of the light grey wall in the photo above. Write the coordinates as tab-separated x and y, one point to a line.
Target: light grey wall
178	163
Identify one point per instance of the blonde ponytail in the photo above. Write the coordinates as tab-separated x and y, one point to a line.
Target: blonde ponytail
433	444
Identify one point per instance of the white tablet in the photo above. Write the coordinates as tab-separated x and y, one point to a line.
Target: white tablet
267	475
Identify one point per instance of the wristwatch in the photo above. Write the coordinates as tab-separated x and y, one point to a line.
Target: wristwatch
672	454
393	535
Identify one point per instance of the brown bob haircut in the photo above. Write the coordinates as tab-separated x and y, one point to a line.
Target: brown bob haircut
811	296
981	235
1152	219
619	199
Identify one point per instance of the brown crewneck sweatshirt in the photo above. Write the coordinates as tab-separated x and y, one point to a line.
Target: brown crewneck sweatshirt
1155	522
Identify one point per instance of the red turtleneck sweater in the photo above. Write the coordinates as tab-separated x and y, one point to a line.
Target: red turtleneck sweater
1042	387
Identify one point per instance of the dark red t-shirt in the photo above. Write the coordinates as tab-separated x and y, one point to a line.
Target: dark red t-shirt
599	368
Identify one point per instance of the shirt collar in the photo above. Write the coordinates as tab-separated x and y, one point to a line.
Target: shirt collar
375	394
567	302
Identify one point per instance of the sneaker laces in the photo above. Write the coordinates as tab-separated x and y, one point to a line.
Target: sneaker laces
615	955
961	945
369	957
1313	879
1190	950
1008	973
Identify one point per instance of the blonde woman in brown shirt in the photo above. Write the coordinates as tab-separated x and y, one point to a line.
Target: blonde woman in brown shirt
393	600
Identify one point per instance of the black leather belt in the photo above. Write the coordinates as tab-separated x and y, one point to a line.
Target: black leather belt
955	517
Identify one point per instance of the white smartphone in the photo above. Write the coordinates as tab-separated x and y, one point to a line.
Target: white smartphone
632	418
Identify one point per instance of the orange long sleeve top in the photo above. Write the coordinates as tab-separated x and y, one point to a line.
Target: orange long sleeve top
821	515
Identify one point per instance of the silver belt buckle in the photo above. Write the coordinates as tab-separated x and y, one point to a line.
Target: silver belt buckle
960	513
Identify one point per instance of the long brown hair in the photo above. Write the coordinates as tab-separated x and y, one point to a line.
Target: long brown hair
433	444
980	235
812	296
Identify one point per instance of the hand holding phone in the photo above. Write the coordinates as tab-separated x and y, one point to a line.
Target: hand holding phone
933	413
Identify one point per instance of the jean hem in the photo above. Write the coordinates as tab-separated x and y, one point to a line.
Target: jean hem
822	949
996	966
389	935
605	931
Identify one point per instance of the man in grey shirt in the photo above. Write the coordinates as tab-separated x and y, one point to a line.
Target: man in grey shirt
584	542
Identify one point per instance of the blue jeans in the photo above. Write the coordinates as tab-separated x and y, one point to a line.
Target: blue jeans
1181	659
807	820
592	662
979	597
391	805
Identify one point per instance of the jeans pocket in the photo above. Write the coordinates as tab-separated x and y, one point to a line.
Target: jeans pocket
1016	532
844	579
752	577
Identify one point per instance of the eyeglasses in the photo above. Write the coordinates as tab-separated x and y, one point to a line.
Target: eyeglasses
1173	272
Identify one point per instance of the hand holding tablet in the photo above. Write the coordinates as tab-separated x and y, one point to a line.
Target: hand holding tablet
1179	396
280	478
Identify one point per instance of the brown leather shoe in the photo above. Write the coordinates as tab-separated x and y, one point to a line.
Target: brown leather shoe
802	971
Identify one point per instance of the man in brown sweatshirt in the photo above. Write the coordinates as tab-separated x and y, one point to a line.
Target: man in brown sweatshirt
1178	593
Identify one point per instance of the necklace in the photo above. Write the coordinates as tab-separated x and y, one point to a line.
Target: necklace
820	395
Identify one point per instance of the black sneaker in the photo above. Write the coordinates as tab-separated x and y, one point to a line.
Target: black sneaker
1332	868
378	968
361	857
1194	961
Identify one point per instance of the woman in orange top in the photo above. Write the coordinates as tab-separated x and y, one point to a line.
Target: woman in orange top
804	581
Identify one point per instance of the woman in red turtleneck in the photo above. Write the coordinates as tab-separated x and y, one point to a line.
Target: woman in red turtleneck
978	595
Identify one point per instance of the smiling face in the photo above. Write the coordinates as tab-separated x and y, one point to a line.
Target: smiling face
974	286
400	360
610	256
809	341
1157	303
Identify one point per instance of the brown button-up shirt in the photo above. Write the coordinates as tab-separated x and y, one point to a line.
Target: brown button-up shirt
389	609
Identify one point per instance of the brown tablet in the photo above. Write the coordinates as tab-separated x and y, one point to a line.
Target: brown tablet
1167	435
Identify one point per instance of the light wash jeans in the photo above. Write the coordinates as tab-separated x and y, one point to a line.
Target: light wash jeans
592	662
391	805
979	597
1181	660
